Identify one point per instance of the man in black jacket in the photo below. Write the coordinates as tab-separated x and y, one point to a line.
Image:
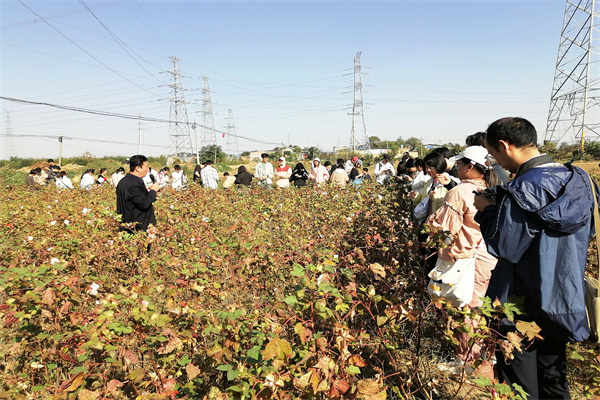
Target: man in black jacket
134	201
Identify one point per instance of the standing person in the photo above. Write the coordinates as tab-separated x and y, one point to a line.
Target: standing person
163	177
538	226
339	176
299	175
101	179
151	177
210	176
350	164
178	179
318	172
63	181
264	171
384	170
134	201
117	176
243	177
283	173
87	179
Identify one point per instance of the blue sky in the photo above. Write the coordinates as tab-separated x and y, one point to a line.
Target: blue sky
435	70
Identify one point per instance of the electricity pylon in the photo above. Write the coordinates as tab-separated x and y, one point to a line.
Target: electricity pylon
574	113
209	135
359	140
9	146
231	142
141	140
180	139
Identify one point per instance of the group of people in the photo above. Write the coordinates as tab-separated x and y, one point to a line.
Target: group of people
527	230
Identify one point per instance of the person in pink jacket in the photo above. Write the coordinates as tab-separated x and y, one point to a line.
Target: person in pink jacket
456	218
318	173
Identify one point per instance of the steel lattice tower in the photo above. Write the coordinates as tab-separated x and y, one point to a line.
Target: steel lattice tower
231	143
141	140
359	140
574	110
180	139
209	135
9	146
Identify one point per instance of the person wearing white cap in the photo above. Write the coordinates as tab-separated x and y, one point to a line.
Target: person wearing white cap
283	173
318	173
456	217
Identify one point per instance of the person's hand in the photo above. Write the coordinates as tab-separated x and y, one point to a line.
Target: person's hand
482	202
154	186
444	179
413	194
431	194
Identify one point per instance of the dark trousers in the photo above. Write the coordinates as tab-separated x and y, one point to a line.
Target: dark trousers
541	370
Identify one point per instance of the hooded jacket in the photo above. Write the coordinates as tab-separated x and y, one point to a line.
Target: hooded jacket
539	231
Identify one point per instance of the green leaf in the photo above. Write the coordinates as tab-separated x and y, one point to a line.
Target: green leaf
232	374
291	300
298	271
224	367
184	361
353	369
482	381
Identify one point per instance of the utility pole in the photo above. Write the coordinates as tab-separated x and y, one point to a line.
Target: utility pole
359	140
60	141
10	145
180	141
574	104
141	140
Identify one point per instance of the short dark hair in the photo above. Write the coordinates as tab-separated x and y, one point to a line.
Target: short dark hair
137	161
225	173
419	163
476	139
340	160
437	161
444	151
177	167
120	169
50	160
263	155
410	163
515	130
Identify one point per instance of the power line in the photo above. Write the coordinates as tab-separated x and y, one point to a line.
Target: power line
125	116
82	49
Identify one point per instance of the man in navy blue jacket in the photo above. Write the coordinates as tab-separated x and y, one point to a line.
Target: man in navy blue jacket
134	201
538	226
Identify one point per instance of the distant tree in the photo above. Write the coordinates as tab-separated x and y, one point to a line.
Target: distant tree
212	152
413	143
312	152
375	142
245	154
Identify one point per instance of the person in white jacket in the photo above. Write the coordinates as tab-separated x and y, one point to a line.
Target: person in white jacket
264	171
384	170
63	181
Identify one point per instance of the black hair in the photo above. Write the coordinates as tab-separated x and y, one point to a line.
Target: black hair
50	160
327	164
340	160
120	169
102	170
401	169
476	139
366	169
419	163
225	173
436	161
489	175
177	167
410	163
300	166
514	130
38	170
137	161
63	173
263	155
444	151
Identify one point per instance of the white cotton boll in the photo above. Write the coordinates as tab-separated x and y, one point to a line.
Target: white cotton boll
53	223
54	261
85	210
67	222
205	219
30	238
320	279
93	290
